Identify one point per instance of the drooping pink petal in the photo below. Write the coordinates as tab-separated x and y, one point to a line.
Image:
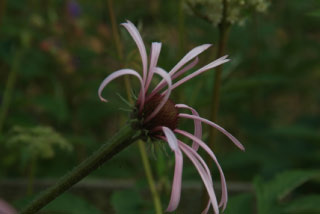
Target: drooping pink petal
224	193
189	56
233	139
176	184
117	74
142	49
165	98
206	178
155	52
197	125
176	75
171	138
201	70
205	211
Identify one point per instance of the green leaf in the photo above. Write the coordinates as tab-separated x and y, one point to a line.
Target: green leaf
310	203
270	193
286	182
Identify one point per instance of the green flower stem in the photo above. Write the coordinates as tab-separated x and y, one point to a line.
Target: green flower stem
148	171
126	136
142	147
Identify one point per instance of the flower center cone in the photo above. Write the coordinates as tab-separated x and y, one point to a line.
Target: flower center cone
167	116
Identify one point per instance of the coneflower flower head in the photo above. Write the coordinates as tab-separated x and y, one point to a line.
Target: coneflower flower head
158	116
166	117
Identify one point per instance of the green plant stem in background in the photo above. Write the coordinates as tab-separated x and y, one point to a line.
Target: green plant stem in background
224	29
126	136
142	147
2	10
117	42
31	174
151	182
181	27
9	89
7	98
115	32
154	7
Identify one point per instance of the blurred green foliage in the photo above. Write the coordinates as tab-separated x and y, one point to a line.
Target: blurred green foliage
270	97
35	142
271	195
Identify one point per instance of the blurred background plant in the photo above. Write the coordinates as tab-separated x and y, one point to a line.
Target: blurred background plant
26	145
238	10
54	54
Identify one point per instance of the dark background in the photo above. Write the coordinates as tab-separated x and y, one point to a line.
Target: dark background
54	55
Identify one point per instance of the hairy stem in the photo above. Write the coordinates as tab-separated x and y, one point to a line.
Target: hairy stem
126	136
142	149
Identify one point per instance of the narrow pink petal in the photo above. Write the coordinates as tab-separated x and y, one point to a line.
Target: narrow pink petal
201	70
187	68
142	49
233	139
167	78
204	173
155	52
176	75
176	184
117	74
224	193
189	56
197	125
205	211
171	138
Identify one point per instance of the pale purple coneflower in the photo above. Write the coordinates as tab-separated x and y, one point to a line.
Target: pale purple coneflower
158	115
